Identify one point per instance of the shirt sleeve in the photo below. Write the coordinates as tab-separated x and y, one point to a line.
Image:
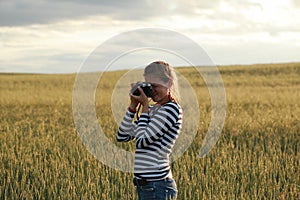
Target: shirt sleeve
126	129
151	129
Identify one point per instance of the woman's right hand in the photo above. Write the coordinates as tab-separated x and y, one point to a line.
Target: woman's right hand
141	99
133	101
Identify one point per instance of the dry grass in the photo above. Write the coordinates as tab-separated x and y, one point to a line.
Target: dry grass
256	157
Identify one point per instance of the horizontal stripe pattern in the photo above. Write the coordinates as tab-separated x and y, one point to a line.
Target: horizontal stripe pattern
155	133
126	128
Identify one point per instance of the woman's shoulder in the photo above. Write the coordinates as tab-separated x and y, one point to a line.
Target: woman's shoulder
174	105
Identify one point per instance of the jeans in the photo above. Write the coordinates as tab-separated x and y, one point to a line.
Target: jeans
158	190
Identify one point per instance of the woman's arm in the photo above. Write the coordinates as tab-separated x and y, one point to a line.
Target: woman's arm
126	129
148	131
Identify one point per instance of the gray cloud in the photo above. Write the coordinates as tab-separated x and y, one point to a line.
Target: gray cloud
26	12
22	12
54	46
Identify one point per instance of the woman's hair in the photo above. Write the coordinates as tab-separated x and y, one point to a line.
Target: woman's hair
166	73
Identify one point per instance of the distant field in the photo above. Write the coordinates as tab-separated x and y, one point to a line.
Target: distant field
257	155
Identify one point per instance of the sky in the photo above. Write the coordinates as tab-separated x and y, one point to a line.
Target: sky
57	36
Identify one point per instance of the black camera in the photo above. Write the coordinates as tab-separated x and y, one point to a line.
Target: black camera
147	88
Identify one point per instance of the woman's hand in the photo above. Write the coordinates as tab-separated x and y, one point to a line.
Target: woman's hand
142	99
133	101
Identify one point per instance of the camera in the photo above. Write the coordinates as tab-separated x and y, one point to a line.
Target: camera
147	88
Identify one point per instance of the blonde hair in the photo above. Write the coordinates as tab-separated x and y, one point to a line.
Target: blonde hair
166	73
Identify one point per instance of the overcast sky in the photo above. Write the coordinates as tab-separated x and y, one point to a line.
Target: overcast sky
57	36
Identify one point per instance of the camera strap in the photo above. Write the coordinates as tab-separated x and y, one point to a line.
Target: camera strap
137	112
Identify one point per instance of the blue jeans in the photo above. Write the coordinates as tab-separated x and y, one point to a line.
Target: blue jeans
158	190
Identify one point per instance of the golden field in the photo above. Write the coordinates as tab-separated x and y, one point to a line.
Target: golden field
256	157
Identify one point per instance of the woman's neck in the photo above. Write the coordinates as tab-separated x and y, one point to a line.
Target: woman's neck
165	100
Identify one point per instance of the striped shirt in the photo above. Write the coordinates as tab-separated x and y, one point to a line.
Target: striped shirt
155	133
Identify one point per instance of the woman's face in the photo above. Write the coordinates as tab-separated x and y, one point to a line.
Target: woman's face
159	89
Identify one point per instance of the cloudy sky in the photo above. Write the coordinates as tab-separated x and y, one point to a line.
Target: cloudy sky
57	36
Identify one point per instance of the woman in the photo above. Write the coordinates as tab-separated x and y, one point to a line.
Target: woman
155	131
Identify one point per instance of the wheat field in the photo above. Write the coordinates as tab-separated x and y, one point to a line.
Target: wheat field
257	155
